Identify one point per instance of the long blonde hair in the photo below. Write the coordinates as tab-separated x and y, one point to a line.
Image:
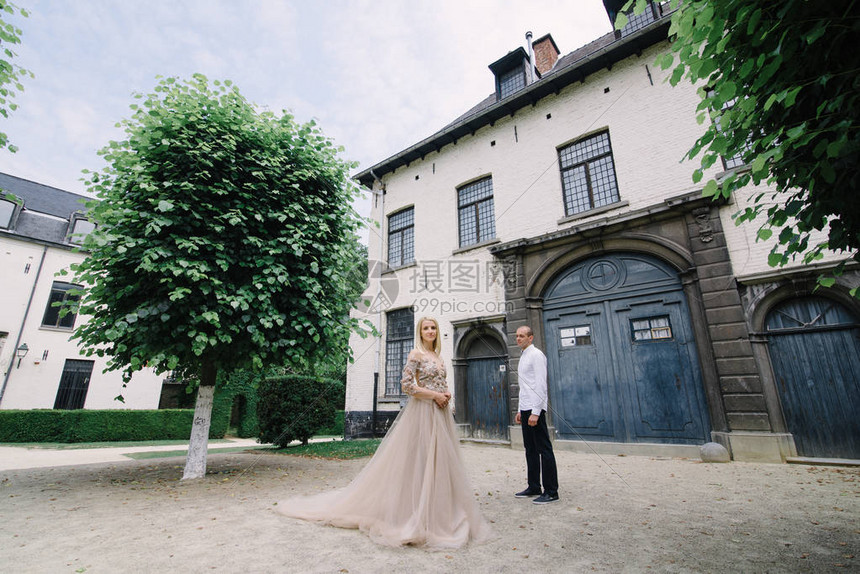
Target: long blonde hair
419	343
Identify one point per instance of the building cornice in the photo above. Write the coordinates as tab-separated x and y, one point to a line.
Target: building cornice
669	208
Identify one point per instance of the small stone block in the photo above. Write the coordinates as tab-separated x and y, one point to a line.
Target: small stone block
714	452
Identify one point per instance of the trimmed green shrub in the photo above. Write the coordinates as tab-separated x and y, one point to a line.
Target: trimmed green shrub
95	425
296	407
239	389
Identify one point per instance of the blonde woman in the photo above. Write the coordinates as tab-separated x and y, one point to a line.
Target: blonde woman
414	491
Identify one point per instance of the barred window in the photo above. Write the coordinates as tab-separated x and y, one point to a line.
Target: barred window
60	294
477	216
512	81
401	238
398	343
74	384
588	174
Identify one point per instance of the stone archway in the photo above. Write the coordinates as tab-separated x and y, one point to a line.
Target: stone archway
621	353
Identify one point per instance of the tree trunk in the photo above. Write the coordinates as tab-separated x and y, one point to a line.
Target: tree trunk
195	462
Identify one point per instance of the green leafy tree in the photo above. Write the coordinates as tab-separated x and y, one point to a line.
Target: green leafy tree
225	240
11	74
780	83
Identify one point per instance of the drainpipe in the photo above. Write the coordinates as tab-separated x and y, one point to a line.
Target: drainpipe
23	322
532	74
380	193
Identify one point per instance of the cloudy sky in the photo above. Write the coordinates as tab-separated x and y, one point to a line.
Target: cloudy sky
376	75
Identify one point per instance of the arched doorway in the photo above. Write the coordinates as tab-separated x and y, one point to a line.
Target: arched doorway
622	359
814	346
486	386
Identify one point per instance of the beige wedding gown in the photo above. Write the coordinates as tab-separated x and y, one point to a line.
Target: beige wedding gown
414	491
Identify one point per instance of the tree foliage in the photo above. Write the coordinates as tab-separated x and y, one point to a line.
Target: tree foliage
225	240
779	82
11	74
223	235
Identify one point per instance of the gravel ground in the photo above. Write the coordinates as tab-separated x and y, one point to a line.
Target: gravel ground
616	514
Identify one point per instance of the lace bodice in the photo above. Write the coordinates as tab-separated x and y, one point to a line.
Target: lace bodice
430	374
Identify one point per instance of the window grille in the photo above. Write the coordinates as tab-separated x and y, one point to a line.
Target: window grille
398	342
401	238
512	81
477	215
588	174
74	384
653	12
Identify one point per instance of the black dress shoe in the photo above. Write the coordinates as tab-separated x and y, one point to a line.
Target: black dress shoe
545	499
528	493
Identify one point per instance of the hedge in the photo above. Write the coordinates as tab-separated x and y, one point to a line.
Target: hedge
97	425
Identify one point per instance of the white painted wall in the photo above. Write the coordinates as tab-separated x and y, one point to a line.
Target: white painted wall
651	127
34	384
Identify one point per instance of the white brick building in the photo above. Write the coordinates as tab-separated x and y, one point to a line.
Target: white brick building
561	202
41	367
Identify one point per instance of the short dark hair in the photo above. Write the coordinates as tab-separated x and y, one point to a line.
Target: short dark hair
529	332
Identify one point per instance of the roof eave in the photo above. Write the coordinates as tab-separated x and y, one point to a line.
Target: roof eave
551	83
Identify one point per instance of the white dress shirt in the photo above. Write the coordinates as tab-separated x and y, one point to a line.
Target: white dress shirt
532	375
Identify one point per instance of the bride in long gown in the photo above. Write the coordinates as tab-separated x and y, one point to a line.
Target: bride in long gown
414	491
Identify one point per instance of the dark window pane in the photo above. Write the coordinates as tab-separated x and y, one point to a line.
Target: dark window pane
59	294
468	226
74	384
401	248
512	81
477	216
486	220
398	343
588	174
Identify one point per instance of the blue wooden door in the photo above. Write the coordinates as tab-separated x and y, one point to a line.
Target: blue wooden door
814	348
658	370
622	359
487	398
582	376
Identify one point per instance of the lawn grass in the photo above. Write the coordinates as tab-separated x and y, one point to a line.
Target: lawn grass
334	449
168	453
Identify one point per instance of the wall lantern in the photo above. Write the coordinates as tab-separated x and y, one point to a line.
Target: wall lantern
21	352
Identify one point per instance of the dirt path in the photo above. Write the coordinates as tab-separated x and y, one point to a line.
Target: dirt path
617	514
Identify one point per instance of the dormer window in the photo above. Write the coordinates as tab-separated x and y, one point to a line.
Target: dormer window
511	81
512	73
654	10
80	228
7	210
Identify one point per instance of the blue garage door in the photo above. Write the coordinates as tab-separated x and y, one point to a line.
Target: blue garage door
622	360
815	351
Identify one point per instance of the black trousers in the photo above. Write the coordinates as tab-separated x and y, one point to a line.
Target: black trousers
539	456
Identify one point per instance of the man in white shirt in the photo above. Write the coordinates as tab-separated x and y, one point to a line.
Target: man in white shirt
531	416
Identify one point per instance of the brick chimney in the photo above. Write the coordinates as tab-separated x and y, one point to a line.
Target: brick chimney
546	54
